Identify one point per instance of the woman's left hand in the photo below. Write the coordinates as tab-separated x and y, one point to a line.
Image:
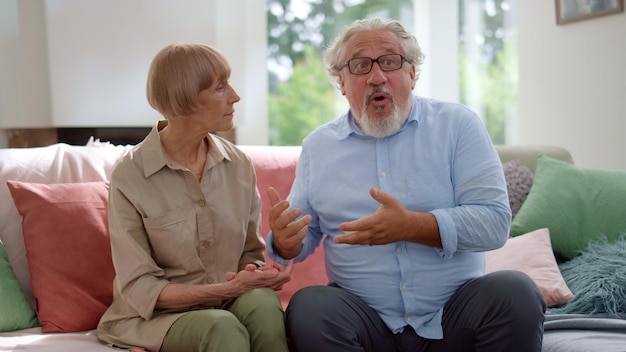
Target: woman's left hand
250	274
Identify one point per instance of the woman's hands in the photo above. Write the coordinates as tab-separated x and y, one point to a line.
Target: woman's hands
272	275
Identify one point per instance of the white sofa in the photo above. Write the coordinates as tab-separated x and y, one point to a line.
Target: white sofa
61	163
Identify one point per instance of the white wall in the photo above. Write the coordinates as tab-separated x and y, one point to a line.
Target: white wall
24	87
84	63
572	84
572	89
436	30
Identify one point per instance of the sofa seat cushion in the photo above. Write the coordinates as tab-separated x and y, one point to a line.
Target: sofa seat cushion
66	236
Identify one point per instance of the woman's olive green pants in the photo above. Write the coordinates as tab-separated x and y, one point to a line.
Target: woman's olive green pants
253	322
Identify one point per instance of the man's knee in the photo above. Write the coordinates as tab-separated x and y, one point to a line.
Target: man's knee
314	302
515	287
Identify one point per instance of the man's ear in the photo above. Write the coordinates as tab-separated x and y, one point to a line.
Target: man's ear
342	85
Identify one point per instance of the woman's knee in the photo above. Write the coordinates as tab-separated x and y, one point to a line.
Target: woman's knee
207	330
259	310
265	296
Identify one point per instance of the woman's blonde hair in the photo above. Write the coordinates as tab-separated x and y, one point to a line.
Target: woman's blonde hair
179	72
334	57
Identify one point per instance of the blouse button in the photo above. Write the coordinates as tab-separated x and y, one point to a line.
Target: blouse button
201	203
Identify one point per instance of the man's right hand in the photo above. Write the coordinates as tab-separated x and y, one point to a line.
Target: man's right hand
287	231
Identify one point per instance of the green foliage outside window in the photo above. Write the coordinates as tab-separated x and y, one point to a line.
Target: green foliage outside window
304	98
307	99
302	103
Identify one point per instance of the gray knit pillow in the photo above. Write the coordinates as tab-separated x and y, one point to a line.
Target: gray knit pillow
519	179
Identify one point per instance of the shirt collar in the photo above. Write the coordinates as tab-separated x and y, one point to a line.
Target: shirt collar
155	157
347	126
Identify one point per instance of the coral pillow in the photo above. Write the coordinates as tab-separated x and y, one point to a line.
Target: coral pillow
66	236
532	254
276	167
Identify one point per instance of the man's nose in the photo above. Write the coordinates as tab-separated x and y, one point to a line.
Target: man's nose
376	76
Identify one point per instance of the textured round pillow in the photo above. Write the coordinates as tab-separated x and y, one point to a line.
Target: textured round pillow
519	179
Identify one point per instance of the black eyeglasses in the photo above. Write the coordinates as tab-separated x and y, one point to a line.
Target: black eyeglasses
363	65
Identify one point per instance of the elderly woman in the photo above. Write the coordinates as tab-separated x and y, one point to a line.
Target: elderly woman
184	214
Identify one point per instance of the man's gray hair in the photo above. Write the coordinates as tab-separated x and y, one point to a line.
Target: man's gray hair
334	57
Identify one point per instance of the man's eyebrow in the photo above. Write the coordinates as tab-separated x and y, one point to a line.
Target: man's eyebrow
359	53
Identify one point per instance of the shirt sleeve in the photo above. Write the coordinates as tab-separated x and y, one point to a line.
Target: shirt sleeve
481	218
137	275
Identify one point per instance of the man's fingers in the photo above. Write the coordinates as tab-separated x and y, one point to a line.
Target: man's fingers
361	224
353	238
296	231
273	196
383	197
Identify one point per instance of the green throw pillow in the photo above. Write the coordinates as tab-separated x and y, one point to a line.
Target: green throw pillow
577	205
16	313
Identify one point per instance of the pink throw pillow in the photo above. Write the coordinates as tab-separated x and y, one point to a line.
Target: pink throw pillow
66	235
276	167
532	254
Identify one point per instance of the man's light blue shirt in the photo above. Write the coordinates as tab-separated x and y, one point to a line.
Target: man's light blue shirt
441	161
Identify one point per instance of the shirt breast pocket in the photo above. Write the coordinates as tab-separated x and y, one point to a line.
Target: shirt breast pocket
430	188
171	238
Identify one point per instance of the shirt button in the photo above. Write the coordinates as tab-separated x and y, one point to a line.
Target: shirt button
209	280
403	287
399	250
383	174
201	203
207	244
408	318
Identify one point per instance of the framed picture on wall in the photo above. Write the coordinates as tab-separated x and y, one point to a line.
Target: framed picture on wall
577	10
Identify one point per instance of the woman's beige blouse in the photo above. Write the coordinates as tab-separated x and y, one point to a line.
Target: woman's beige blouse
166	227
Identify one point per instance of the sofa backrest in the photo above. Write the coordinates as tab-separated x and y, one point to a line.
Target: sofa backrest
528	154
275	166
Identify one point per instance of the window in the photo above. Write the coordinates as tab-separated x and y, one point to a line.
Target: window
488	62
301	97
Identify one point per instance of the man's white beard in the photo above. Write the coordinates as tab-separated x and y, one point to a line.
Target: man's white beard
386	126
